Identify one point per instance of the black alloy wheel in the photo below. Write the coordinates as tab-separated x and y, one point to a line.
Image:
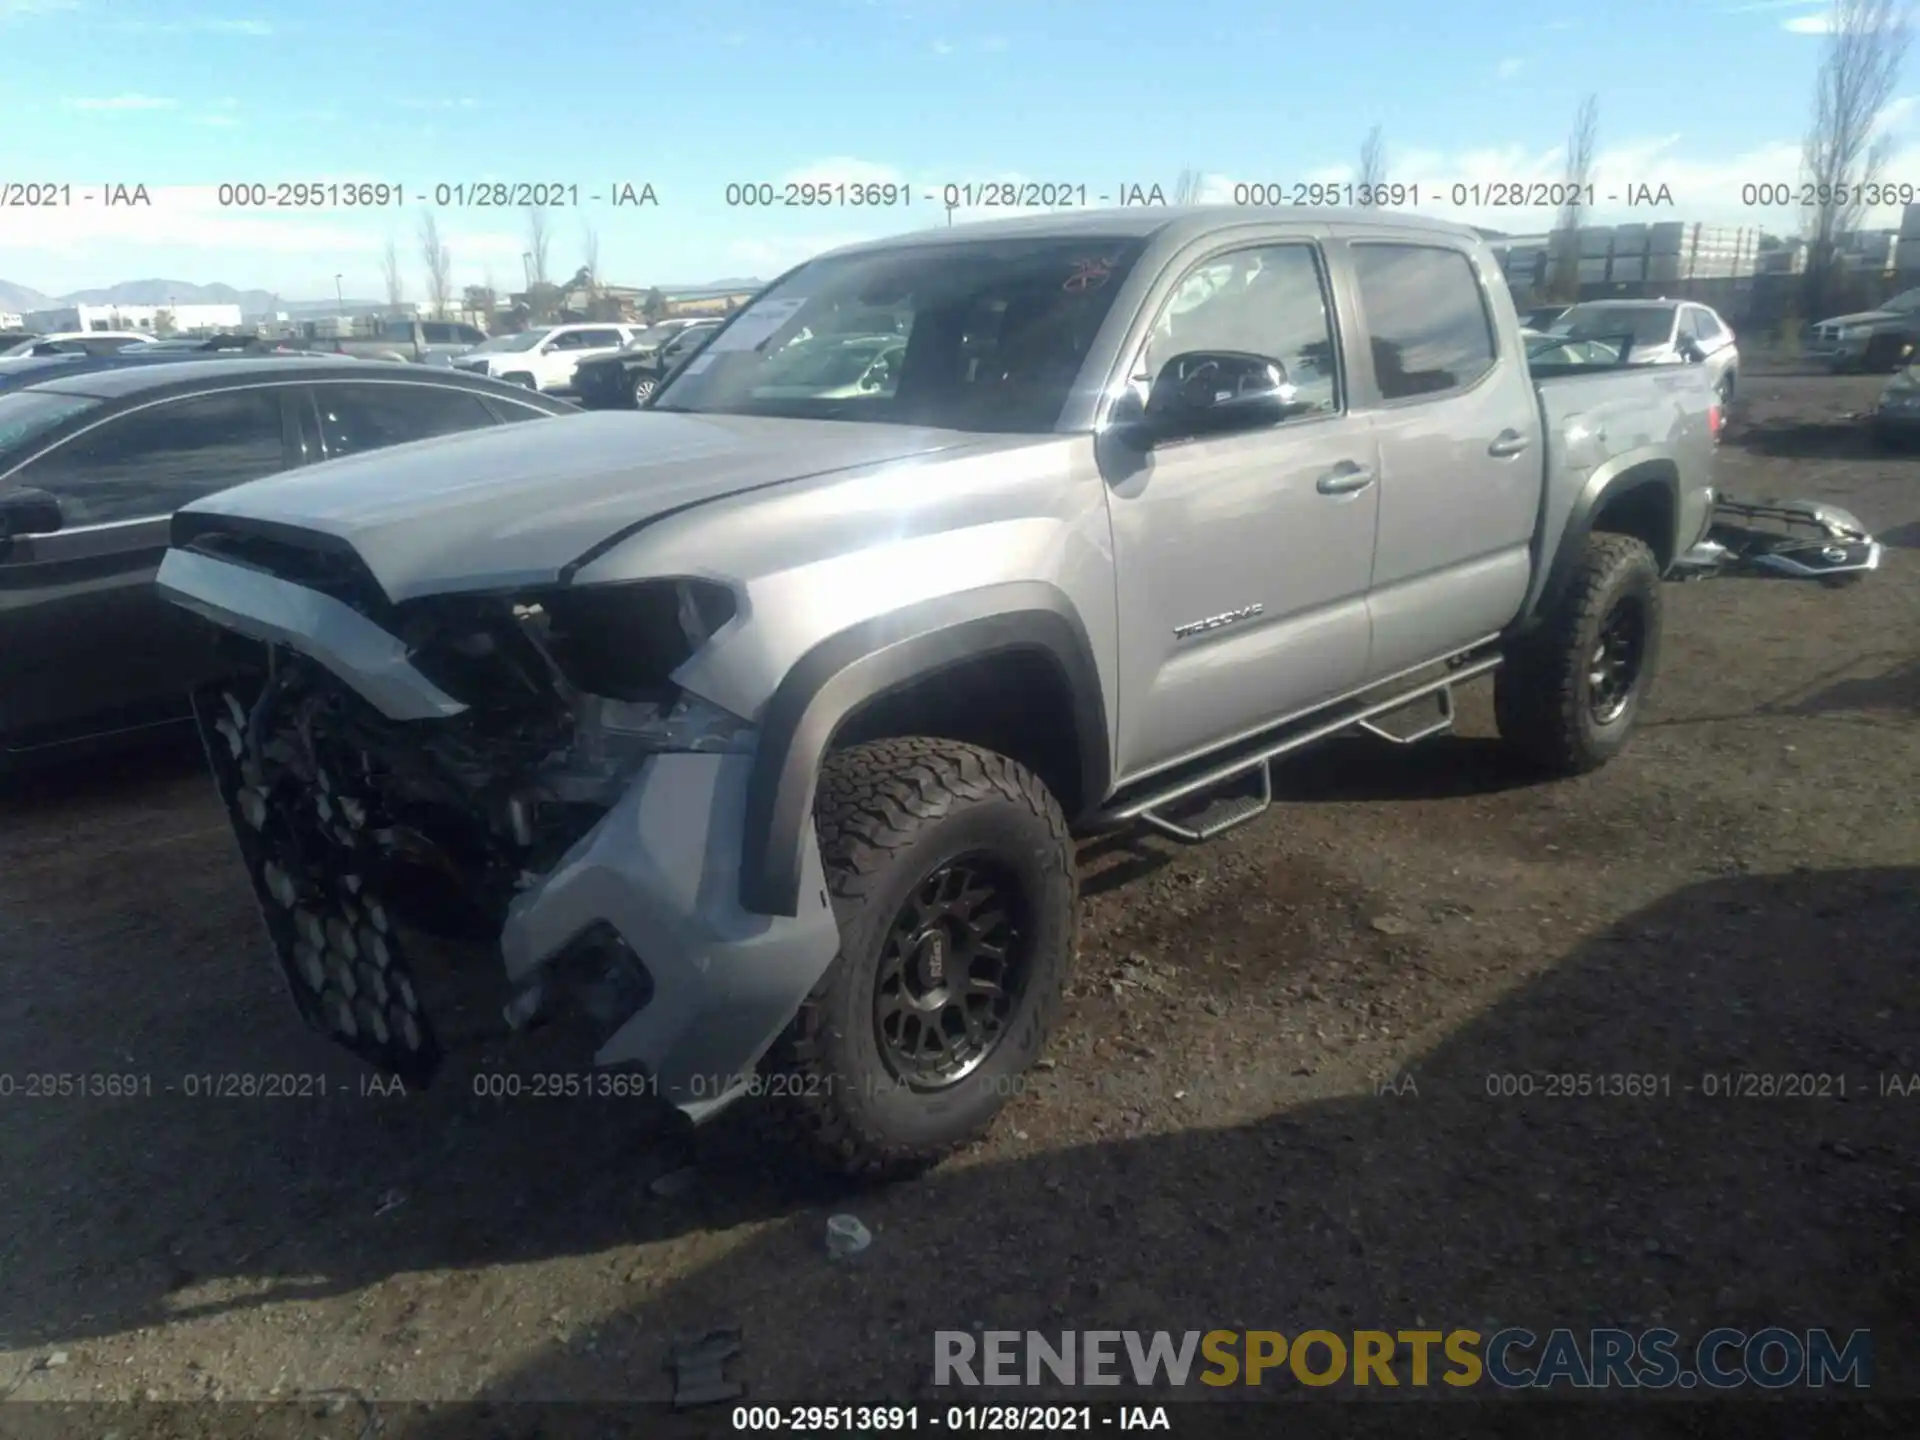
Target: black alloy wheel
951	973
1614	672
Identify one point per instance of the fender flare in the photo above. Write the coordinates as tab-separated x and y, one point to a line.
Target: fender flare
880	656
1623	476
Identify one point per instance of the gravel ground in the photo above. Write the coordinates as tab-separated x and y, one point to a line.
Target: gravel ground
1269	1106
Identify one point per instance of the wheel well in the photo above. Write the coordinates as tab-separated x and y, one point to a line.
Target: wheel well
1644	509
1017	703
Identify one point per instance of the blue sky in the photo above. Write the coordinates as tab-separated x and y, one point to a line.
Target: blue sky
689	95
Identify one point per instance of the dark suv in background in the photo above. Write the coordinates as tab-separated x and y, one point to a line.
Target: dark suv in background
627	380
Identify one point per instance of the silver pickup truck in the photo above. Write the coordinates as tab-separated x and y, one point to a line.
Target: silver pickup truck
755	727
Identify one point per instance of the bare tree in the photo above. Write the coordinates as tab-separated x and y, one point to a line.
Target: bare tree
1578	175
1186	189
1845	148
439	264
539	241
1373	164
590	253
390	269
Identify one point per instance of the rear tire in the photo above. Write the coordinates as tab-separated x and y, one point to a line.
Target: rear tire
1568	695
898	819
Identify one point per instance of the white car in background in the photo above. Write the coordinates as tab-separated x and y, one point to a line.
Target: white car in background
544	357
79	342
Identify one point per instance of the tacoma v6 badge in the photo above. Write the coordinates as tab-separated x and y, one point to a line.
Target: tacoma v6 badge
1214	622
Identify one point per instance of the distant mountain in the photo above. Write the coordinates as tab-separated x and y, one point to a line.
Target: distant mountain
161	292
19	298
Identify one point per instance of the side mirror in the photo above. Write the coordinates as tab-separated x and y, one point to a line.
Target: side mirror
1210	391
29	512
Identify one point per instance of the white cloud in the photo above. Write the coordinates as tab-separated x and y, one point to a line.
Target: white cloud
119	102
994	44
943	47
1822	23
1510	67
21	9
216	120
463	103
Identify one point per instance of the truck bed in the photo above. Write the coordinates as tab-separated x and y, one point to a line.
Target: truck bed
1616	417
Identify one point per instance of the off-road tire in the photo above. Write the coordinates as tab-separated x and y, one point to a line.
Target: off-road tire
888	814
1540	695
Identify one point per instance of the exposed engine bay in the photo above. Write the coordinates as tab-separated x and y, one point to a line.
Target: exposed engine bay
351	822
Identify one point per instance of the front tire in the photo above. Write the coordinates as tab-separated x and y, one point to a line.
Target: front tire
953	879
1567	697
643	388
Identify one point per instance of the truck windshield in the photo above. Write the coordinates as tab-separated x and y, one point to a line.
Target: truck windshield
991	336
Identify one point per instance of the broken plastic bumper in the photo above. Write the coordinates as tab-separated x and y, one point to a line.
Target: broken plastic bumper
662	869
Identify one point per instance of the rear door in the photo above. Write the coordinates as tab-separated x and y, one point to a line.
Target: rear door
1716	342
590	344
88	644
1459	431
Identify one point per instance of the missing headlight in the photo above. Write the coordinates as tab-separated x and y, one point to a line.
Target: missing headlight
624	641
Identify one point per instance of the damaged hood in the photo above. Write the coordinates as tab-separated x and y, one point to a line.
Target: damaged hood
516	504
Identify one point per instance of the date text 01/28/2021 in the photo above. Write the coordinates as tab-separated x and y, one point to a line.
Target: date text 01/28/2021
961	1419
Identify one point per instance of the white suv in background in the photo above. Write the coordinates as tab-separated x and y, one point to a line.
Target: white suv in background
544	357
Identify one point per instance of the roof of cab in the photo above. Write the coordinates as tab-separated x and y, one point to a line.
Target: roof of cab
1175	222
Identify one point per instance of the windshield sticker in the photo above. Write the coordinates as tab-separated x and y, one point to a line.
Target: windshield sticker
756	325
1089	274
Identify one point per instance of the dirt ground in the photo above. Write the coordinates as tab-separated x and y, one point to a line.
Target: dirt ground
1212	1144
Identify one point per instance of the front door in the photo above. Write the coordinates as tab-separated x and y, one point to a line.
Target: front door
89	645
1244	559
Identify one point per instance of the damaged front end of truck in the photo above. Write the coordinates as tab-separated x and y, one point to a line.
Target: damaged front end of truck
516	766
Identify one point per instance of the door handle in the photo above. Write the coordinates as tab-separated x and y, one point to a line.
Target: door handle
1346	480
1507	442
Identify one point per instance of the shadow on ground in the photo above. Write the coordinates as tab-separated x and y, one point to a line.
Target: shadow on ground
1840	439
1691	1207
1452	1206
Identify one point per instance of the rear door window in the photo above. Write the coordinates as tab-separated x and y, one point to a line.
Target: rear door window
359	417
1426	319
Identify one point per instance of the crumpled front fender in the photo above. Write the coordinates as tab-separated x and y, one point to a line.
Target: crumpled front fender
663	869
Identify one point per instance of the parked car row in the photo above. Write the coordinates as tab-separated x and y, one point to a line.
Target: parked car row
96	453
